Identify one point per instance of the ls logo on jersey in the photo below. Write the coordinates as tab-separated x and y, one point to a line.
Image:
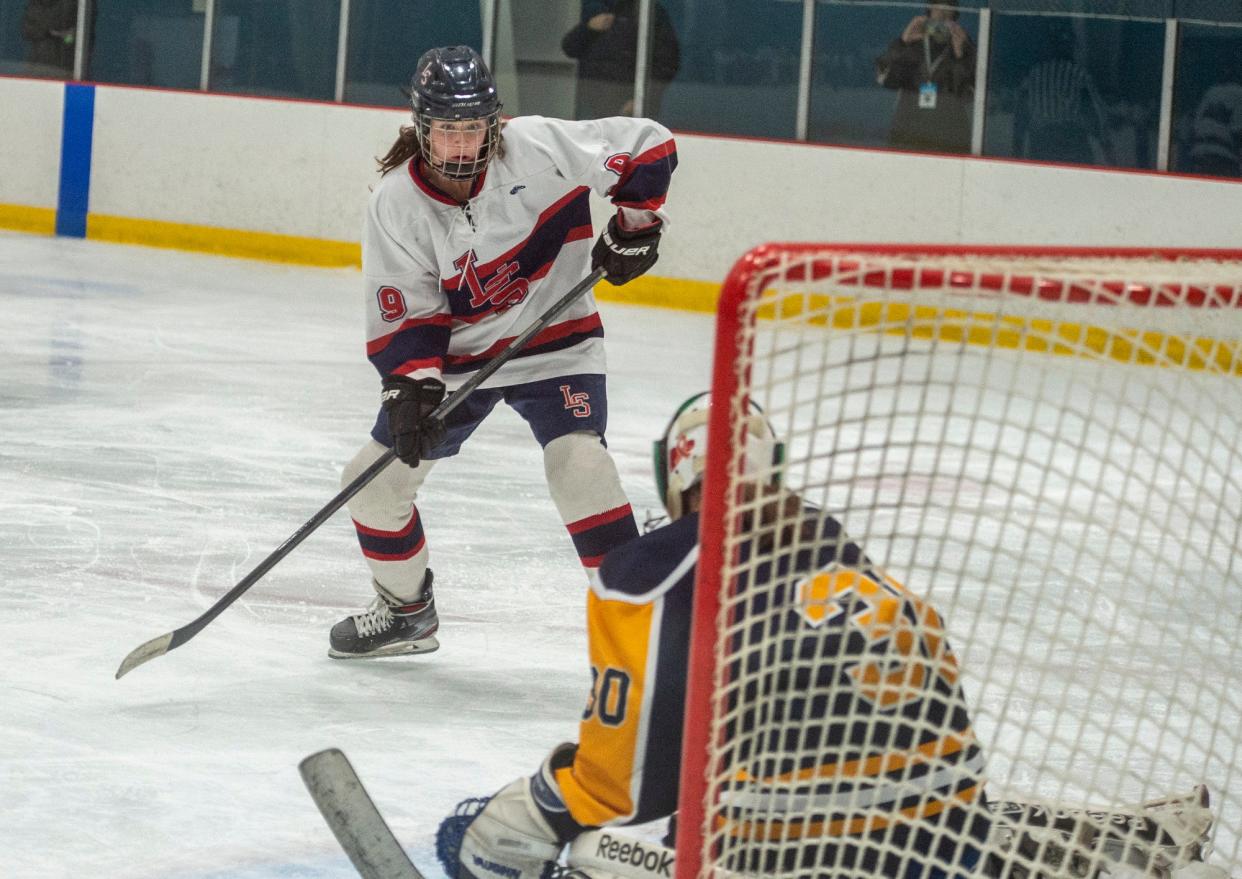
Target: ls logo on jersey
905	647
502	290
579	404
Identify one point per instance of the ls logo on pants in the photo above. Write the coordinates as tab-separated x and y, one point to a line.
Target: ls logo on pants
578	403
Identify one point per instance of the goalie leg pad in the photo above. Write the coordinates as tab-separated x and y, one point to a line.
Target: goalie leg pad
516	834
1162	838
606	854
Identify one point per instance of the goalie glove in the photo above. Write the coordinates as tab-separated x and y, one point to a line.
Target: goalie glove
516	834
408	402
626	254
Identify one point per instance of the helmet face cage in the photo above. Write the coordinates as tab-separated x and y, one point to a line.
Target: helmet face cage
455	136
456	112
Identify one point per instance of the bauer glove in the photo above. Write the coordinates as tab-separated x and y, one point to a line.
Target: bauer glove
408	403
625	255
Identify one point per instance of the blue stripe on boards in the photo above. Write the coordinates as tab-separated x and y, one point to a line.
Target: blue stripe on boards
75	160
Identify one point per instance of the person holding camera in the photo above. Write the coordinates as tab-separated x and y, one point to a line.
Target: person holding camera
605	45
50	26
932	67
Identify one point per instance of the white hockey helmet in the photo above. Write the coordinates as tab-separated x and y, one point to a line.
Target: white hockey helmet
680	456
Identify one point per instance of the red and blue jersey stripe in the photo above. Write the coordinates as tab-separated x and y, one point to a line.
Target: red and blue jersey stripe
418	343
645	178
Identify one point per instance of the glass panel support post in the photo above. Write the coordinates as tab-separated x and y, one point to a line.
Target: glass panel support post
487	18
642	57
802	121
209	25
981	81
1168	74
79	40
342	52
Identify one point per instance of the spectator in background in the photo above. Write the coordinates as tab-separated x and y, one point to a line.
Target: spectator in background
1060	115
1216	138
932	67
606	47
50	27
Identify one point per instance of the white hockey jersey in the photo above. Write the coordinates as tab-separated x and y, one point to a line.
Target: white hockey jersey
449	285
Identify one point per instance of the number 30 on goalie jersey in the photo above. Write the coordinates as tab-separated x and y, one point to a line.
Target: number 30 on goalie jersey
878	673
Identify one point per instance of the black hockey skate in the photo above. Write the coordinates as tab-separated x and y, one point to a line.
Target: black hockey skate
388	629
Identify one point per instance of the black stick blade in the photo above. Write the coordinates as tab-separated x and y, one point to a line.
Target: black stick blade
145	653
355	822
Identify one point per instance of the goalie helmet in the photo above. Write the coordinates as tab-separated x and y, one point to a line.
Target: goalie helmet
453	85
680	456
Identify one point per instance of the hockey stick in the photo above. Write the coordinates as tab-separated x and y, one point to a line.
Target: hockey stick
375	852
355	822
174	639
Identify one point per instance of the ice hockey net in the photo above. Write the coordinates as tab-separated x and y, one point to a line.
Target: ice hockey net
1045	446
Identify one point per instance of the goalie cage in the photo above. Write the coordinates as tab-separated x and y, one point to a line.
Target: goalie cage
1044	445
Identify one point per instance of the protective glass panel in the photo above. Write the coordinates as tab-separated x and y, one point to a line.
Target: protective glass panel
279	47
37	38
1074	89
533	73
386	37
738	67
148	42
881	77
664	59
1207	101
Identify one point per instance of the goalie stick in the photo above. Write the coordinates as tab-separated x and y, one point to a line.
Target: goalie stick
1157	838
355	822
170	641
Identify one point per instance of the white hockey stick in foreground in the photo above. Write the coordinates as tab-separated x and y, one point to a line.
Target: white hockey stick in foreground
356	823
1161	838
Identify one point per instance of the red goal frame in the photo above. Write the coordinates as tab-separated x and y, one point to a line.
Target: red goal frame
746	282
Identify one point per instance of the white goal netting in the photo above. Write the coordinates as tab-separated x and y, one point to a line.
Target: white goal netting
1040	455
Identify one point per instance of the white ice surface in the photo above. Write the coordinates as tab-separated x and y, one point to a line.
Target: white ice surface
166	421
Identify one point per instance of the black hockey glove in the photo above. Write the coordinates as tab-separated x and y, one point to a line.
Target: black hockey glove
625	255
408	403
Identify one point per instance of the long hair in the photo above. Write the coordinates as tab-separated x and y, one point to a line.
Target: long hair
407	147
781	516
403	149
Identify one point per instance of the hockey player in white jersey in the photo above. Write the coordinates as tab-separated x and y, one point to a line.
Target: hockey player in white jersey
475	228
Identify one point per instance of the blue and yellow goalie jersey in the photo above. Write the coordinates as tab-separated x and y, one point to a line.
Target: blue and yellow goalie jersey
847	742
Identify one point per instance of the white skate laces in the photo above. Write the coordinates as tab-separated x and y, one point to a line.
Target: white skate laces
375	620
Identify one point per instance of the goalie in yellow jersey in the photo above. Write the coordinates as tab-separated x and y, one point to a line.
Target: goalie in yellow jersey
850	742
